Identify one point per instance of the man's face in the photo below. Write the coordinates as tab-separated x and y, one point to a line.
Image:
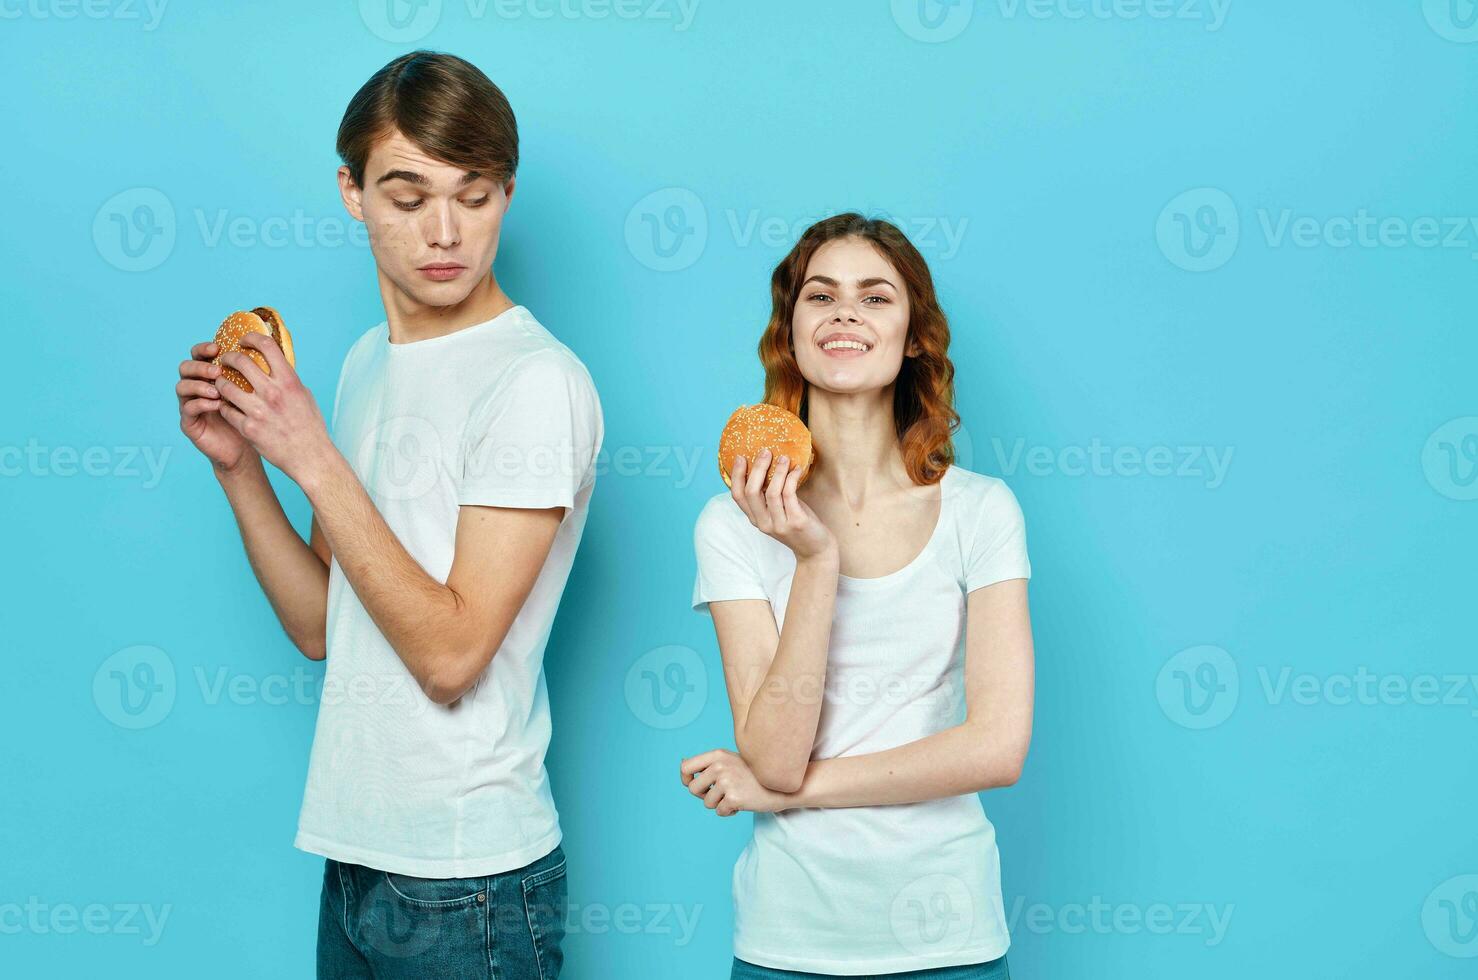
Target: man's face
433	227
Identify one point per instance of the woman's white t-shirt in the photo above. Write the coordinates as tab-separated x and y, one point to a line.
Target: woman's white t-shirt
876	889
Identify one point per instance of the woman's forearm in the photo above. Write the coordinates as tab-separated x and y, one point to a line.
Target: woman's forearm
779	727
967	758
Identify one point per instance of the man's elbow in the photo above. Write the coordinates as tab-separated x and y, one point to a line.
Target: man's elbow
451	677
445	686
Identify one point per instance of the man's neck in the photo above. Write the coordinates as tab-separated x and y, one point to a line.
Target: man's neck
410	321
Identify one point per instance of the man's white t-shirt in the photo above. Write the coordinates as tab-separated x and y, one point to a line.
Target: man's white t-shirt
876	889
500	414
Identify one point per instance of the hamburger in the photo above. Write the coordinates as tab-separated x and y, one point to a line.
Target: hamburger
755	427
263	320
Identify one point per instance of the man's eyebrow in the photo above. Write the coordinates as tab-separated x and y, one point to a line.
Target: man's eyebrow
421	179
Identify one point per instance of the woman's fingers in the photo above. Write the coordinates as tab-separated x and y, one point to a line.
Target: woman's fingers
774	489
199	406
714	796
696	764
791	502
738	476
206	351
755	482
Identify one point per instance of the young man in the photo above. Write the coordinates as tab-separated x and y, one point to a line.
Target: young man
447	507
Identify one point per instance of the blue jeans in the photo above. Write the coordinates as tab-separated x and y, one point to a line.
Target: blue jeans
375	924
994	970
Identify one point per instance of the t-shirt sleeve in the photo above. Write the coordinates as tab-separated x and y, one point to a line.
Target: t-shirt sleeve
998	546
726	564
532	441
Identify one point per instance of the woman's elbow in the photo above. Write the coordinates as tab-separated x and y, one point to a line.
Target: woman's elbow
775	774
781	779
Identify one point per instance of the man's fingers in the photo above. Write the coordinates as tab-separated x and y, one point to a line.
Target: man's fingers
206	351
235	416
713	797
196	389
200	369
276	360
248	368
200	406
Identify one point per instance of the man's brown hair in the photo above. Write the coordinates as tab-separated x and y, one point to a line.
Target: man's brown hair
443	104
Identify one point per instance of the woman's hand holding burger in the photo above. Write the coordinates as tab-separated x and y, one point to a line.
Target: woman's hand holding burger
763	483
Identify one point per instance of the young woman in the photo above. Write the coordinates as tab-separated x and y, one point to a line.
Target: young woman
875	637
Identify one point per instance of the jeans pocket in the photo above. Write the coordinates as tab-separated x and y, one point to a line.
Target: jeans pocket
436	892
544	896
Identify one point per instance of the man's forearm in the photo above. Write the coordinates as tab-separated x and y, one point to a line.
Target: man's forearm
294	579
418	615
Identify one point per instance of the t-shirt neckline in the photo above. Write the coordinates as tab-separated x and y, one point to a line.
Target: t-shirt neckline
445	339
854	584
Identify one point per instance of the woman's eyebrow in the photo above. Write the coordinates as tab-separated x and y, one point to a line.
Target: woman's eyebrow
874	281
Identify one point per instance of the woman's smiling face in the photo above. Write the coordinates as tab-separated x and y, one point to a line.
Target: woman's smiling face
850	323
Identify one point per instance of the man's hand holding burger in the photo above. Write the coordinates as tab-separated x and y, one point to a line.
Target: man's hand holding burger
200	403
279	417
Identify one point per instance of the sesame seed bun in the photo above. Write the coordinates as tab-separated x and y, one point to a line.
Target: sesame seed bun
263	320
755	427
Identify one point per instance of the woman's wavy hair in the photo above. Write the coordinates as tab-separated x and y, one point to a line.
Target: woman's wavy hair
924	392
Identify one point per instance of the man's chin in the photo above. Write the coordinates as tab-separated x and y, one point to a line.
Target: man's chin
451	292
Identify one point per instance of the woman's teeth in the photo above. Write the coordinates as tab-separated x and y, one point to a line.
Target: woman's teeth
844	345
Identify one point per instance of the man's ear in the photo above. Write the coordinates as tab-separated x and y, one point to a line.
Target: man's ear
352	194
508	190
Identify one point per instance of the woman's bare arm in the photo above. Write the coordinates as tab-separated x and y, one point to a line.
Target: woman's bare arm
776	677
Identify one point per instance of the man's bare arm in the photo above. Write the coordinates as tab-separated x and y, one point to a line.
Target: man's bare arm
293	574
446	634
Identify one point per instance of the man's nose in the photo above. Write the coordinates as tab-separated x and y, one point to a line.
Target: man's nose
443	231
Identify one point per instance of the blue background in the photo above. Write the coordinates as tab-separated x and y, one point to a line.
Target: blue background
1058	152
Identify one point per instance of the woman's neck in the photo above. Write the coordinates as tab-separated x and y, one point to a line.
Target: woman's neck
856	443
